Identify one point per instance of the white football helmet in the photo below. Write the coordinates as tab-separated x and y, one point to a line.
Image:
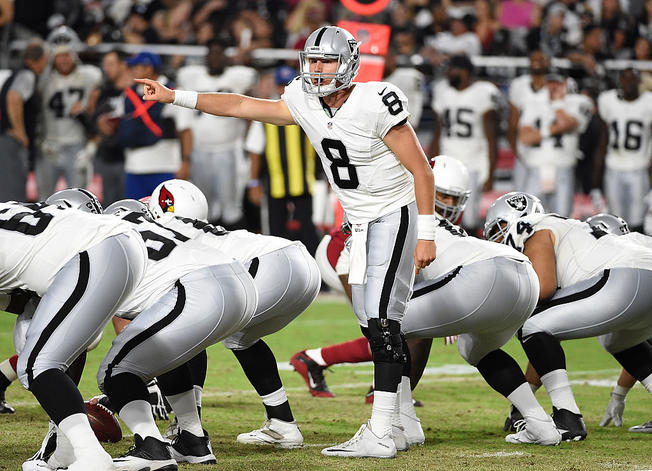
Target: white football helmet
451	179
77	198
504	212
121	207
608	223
333	43
63	39
179	197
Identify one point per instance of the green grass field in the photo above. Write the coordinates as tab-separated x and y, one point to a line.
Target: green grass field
462	417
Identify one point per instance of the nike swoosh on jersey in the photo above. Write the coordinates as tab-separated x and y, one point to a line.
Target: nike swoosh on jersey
380	93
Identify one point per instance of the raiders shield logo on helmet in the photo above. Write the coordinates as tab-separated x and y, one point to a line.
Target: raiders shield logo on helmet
518	202
166	200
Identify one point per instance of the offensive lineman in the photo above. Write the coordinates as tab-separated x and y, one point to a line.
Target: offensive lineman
286	279
467	128
377	169
626	148
592	284
191	297
548	134
69	93
83	266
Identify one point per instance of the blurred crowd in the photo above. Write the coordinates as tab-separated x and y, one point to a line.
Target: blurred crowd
89	118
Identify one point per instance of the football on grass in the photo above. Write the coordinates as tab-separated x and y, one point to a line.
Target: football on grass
103	422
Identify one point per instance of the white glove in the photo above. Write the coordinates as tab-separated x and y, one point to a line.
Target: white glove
85	156
160	406
615	410
84	162
597	200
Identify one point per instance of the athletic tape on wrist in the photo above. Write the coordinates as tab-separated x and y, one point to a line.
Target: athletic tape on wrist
185	98
426	225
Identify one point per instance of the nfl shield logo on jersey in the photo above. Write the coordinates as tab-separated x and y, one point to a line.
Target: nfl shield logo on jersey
166	200
518	202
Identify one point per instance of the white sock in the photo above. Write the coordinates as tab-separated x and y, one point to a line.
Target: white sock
64	454
647	383
524	400
382	412
396	415
559	390
315	355
78	430
407	405
138	417
198	390
8	371
534	387
275	398
185	409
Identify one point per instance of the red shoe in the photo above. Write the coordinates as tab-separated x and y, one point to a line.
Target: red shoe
312	373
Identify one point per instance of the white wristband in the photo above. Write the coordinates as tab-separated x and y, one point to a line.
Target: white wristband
426	225
185	98
557	105
545	133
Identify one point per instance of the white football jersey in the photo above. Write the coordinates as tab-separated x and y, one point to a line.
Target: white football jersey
37	240
638	238
579	252
411	82
235	79
561	150
170	255
241	245
366	176
59	93
630	130
455	248
460	114
521	91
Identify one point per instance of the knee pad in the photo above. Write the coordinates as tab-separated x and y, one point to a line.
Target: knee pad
385	341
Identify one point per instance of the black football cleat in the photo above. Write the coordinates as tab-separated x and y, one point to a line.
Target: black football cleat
513	417
4	407
147	454
189	448
570	425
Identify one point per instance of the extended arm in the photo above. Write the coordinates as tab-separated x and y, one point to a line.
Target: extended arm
226	104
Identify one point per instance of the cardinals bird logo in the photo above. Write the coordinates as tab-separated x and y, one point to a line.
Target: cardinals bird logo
166	200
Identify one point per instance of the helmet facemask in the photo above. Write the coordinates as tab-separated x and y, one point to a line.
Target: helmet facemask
452	212
333	44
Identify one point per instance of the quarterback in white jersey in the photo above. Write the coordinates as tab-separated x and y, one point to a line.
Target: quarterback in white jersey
69	94
549	131
467	128
377	168
626	147
286	279
593	284
83	266
217	160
